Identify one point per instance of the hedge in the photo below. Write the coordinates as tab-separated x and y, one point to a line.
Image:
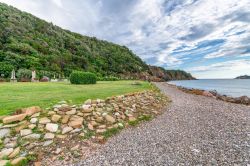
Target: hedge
78	77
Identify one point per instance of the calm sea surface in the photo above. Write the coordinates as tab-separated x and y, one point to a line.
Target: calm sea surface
231	87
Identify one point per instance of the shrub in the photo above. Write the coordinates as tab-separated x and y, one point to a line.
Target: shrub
24	75
5	69
78	77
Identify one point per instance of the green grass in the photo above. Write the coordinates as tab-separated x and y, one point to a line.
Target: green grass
21	95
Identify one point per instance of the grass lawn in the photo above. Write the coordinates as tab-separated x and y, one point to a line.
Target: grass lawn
21	95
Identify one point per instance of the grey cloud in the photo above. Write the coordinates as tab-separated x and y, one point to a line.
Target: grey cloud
199	31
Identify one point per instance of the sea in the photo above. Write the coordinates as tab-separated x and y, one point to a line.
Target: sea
229	87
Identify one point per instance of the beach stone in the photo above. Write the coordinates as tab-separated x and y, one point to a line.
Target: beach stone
82	134
76	130
61	136
32	126
35	115
15	152
4	133
25	132
100	131
72	112
4	162
44	120
65	119
58	150
49	136
52	127
131	118
207	93
47	143
38	163
33	136
90	127
18	160
6	152
75	123
89	110
22	126
31	110
110	119
14	118
56	118
11	144
64	108
33	120
85	106
66	130
87	102
51	113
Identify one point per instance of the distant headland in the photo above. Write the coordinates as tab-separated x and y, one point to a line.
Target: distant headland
243	77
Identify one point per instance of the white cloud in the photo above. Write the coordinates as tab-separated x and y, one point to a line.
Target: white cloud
154	29
228	69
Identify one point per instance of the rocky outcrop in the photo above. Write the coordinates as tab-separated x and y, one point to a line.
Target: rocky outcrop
214	94
243	77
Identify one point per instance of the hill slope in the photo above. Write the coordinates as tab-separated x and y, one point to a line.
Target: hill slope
31	43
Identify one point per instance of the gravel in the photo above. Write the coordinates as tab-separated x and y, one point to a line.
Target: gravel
194	130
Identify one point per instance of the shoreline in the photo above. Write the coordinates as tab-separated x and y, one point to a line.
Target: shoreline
245	100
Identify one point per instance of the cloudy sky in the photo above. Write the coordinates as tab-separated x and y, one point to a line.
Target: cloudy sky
209	38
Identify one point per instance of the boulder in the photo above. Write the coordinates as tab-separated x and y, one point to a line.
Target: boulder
100	131
90	127
33	120
65	119
47	143
25	132
55	118
6	152
76	123
49	136
4	133
72	112
14	118
207	93
32	136
64	108
44	120
31	110
11	144
32	126
52	127
35	115
110	119
18	161
22	126
88	102
66	130
15	152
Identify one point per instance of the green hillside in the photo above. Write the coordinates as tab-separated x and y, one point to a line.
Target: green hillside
27	42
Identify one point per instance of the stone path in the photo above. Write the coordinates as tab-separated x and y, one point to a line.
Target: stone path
195	130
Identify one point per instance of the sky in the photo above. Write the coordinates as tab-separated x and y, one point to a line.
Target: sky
208	38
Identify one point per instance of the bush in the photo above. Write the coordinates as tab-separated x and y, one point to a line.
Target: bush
5	69
24	75
78	77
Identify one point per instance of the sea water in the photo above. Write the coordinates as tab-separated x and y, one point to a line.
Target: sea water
230	87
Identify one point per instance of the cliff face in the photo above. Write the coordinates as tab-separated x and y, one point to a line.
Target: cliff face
167	75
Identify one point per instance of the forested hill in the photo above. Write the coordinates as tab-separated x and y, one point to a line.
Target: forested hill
27	42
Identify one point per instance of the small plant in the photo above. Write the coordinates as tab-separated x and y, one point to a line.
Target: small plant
88	134
61	158
111	132
31	157
133	123
78	77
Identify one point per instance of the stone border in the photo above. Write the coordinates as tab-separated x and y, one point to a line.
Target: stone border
60	133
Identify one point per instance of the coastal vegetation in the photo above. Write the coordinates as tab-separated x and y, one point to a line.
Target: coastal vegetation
29	43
